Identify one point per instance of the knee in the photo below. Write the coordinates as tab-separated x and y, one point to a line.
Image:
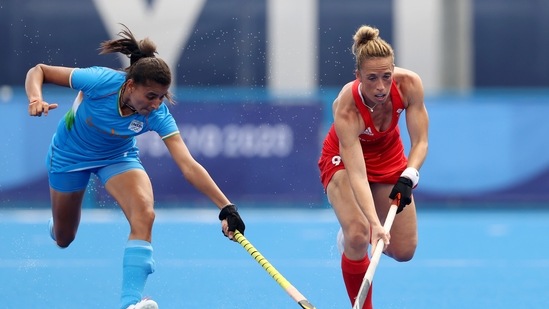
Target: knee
358	238
146	216
143	218
140	207
141	224
149	216
404	256
402	253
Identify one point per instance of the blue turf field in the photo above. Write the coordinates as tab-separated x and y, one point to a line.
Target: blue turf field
465	259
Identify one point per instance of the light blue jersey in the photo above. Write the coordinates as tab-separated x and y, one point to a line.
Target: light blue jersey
94	133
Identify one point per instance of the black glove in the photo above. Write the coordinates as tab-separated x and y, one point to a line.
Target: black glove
234	221
404	187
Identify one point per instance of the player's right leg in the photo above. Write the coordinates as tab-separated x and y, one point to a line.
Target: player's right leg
355	236
144	304
66	195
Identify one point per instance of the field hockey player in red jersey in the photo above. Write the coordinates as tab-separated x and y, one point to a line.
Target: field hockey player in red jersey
363	165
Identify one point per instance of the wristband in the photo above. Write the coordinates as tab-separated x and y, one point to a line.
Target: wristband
412	174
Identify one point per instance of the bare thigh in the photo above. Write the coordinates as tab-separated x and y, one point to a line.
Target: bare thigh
354	224
132	190
404	230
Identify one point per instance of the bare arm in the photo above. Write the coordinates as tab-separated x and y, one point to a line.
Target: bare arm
348	125
36	77
417	119
195	173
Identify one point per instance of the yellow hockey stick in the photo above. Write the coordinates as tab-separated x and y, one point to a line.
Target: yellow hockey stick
285	284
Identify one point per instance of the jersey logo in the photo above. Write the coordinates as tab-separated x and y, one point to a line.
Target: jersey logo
136	126
368	131
400	110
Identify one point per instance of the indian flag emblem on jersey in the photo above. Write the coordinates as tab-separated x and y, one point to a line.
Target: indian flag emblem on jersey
70	115
136	126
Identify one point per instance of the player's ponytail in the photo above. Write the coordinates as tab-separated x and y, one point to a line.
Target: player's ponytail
129	46
368	44
144	65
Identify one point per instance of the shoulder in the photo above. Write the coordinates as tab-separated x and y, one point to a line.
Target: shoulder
345	96
162	110
162	121
408	83
406	78
161	116
98	72
96	77
347	119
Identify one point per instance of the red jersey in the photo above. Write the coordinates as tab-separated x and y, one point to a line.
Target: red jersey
383	151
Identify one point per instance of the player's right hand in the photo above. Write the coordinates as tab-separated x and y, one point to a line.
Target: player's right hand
39	108
378	232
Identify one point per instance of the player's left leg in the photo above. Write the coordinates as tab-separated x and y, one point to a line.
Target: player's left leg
132	189
404	236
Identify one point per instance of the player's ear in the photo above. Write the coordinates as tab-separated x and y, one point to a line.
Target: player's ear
130	83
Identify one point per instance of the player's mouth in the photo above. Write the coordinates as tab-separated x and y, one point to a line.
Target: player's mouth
380	97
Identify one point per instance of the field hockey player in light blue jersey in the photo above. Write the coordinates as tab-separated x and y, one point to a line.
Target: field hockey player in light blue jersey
97	135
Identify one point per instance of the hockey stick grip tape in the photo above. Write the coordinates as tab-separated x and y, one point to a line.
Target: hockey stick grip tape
272	271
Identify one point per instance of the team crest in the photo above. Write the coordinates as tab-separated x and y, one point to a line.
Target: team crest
136	126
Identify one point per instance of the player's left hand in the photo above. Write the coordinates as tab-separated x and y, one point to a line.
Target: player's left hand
404	187
231	221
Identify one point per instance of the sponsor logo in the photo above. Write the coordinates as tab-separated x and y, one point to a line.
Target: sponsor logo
368	131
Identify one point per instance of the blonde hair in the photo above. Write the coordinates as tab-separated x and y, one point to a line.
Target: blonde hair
368	44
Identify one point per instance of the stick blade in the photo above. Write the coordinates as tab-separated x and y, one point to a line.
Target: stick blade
305	304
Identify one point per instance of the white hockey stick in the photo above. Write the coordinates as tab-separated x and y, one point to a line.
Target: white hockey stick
369	276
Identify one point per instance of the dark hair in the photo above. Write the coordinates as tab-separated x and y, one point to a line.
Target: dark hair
144	65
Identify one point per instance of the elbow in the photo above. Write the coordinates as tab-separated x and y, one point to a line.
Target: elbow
36	71
39	67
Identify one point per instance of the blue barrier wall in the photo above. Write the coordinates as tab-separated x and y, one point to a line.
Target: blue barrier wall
490	146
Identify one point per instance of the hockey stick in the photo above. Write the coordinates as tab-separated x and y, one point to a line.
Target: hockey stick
285	284
369	276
